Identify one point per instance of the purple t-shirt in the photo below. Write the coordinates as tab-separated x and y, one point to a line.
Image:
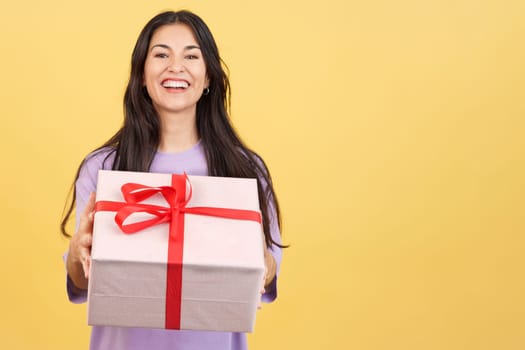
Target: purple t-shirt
193	162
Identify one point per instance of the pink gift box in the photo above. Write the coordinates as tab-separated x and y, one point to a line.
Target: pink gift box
222	258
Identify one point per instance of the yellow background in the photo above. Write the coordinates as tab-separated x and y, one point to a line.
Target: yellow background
394	131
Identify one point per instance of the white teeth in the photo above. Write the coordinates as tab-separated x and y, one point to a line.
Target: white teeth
175	84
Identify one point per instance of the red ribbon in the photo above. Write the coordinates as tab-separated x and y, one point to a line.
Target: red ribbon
175	196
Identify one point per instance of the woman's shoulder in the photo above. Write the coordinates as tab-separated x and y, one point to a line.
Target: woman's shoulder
88	174
248	153
257	161
102	158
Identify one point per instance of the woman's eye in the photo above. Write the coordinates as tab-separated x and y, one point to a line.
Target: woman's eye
161	55
192	57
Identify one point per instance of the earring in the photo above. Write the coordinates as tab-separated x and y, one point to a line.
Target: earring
206	91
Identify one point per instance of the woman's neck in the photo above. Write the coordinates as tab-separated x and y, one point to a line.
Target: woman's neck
178	132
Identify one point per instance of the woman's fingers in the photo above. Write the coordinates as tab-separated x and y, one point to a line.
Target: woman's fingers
263	290
86	218
86	265
86	239
85	252
90	205
85	235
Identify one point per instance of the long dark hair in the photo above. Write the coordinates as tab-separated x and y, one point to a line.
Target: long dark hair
137	141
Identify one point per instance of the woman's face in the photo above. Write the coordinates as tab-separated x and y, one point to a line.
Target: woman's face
174	72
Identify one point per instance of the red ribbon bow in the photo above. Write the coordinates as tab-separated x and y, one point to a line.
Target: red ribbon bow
175	196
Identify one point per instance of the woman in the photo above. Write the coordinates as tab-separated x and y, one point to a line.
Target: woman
175	121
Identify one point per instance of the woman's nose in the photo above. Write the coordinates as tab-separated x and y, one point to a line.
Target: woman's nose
176	65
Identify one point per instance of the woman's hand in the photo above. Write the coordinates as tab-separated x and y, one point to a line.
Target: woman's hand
271	267
79	256
269	272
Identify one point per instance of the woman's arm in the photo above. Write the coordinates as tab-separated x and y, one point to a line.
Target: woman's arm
272	258
79	256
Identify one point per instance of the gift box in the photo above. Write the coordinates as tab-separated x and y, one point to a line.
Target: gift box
176	252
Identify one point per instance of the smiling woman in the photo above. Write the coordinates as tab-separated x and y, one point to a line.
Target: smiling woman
176	121
175	73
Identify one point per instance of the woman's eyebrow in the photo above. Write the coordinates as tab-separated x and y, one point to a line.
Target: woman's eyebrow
164	46
190	47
